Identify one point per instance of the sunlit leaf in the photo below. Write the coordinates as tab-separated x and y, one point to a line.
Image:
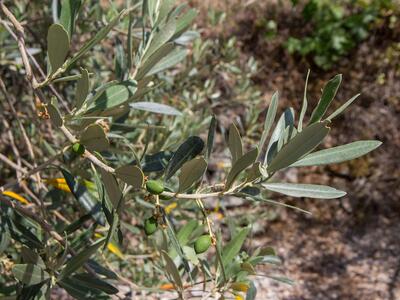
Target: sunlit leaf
303	143
342	108
156	108
82	88
304	105
233	247
328	93
269	120
112	188
69	10
338	154
305	190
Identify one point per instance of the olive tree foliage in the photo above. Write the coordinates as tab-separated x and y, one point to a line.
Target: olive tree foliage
129	156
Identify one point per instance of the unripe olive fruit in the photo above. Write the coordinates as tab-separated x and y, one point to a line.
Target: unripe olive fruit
154	187
202	244
150	225
78	148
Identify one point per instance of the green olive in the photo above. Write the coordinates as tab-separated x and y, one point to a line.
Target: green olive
154	187
78	148
150	225
202	244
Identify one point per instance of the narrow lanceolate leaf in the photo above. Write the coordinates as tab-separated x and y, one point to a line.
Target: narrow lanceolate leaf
82	88
338	154
235	143
84	197
305	104
113	96
55	115
328	93
191	172
269	120
286	120
29	274
131	175
186	151
241	164
305	190
57	46
300	145
157	108
233	247
92	282
112	188
154	59
78	260
69	10
185	232
94	138
183	22
159	38
80	290
172	269
169	61
342	108
210	137
97	38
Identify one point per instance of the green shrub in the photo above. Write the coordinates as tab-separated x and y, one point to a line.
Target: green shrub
141	126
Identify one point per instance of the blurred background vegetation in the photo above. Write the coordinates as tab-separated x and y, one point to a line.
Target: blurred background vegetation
245	50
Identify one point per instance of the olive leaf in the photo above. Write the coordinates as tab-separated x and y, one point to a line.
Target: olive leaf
242	163
82	88
328	93
304	105
303	143
235	143
69	10
269	120
94	138
131	175
29	274
156	108
186	151
57	46
305	190
191	172
112	188
172	269
55	115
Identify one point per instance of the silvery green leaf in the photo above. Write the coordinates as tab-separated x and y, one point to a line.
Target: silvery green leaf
29	274
69	10
342	108
187	37
191	255
157	108
241	164
191	172
153	60
269	120
183	22
112	96
184	233
328	93
232	248
82	88
55	115
172	269
304	105
170	60
112	188
57	46
254	172
276	141
305	190
186	151
97	38
338	154
235	143
160	37
131	175
303	143
94	138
